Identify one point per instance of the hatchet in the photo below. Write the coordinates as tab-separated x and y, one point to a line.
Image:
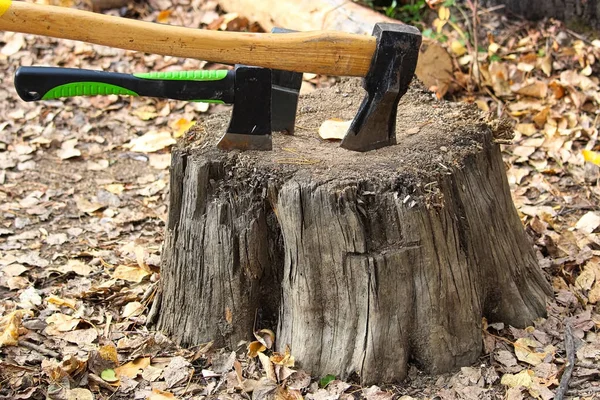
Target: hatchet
248	88
387	60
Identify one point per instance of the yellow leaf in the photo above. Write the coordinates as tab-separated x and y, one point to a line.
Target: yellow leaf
115	188
493	48
591	156
182	126
9	328
458	48
160	395
444	13
133	368
130	273
254	348
286	359
163	16
522	379
57	301
439	25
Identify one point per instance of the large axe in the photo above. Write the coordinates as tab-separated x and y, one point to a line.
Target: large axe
387	60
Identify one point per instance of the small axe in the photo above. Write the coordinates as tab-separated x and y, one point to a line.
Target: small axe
387	60
264	100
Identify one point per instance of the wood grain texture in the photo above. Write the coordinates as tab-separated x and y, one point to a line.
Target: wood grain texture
329	52
360	262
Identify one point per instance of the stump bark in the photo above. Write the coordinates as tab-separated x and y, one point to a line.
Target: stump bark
359	261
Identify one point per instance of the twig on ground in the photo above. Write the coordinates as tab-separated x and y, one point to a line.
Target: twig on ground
39	349
570	348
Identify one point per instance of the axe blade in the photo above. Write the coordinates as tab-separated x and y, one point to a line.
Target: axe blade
392	69
250	124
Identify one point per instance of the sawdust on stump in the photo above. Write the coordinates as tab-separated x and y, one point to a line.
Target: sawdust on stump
359	261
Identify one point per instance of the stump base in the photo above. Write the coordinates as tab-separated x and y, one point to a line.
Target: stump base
360	261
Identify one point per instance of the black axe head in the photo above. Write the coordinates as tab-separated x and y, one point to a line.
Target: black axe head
250	124
392	68
264	101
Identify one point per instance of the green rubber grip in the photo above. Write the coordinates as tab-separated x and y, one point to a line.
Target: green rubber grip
208	75
86	89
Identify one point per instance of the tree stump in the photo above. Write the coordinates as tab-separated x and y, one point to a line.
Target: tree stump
359	261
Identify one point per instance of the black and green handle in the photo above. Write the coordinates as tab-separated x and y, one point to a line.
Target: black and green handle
45	83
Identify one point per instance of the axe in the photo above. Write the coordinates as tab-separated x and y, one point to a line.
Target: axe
264	100
387	60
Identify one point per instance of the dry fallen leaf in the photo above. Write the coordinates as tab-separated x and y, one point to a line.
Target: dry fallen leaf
286	359
254	348
145	113
334	129
525	351
14	43
130	273
79	394
132	309
67	150
268	366
9	328
151	142
133	368
57	301
181	126
589	222
62	322
161	395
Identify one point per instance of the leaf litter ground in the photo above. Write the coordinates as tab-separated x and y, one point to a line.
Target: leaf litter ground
83	200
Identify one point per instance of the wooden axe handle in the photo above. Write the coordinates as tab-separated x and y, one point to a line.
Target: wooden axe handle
320	52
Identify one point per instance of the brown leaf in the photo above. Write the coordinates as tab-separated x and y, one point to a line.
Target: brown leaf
532	88
133	368
130	273
81	336
161	395
266	337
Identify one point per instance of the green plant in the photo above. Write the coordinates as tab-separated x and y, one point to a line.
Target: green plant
409	13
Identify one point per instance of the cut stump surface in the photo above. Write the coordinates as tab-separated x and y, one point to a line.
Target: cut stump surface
359	261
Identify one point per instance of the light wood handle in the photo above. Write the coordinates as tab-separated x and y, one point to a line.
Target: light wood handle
320	52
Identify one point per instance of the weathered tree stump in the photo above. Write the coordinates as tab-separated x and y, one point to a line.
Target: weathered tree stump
360	261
